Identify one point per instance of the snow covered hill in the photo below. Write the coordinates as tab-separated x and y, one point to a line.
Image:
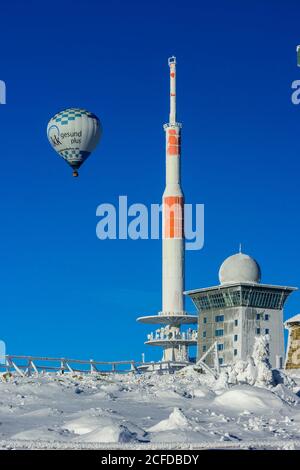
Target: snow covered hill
183	410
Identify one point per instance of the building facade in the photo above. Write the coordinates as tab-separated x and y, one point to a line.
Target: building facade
239	309
293	348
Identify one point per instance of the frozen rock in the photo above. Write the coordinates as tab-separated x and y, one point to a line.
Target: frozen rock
245	397
176	420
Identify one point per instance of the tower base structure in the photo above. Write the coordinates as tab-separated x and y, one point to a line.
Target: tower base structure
170	337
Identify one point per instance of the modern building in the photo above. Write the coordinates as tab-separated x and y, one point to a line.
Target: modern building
293	347
238	309
169	336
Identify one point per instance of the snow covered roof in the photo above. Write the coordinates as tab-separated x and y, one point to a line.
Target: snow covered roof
295	319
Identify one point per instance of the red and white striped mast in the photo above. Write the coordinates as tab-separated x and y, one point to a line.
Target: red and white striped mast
174	342
173	216
173	213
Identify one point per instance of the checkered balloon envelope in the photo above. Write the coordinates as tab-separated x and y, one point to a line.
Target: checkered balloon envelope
74	133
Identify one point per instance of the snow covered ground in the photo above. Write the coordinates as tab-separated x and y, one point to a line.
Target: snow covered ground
185	410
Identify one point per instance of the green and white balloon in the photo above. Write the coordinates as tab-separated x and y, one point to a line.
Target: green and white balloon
74	134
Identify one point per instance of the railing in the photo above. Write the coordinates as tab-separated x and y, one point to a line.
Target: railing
33	365
183	336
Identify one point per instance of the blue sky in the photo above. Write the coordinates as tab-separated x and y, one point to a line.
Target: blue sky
63	291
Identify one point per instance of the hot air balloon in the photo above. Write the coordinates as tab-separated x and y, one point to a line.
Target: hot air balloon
74	134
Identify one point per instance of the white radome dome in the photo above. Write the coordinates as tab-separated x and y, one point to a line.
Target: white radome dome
239	268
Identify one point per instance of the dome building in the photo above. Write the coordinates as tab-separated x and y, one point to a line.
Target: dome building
238	309
239	268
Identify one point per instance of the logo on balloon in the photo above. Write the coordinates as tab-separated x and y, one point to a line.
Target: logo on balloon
54	135
74	136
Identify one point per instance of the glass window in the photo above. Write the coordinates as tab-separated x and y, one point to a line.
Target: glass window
227	299
204	320
236	297
266	316
248	296
258	331
235	352
219	318
202	302
216	300
267	331
204	334
256	296
204	348
235	338
273	300
263	299
245	295
258	316
236	322
220	347
220	360
219	332
269	298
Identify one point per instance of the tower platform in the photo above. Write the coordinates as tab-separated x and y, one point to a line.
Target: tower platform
170	337
164	319
170	343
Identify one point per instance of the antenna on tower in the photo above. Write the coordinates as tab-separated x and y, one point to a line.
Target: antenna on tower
172	65
240	248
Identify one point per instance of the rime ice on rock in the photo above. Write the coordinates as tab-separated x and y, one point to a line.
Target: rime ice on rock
261	354
256	371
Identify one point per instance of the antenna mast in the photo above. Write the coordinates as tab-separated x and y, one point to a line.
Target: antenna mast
172	65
